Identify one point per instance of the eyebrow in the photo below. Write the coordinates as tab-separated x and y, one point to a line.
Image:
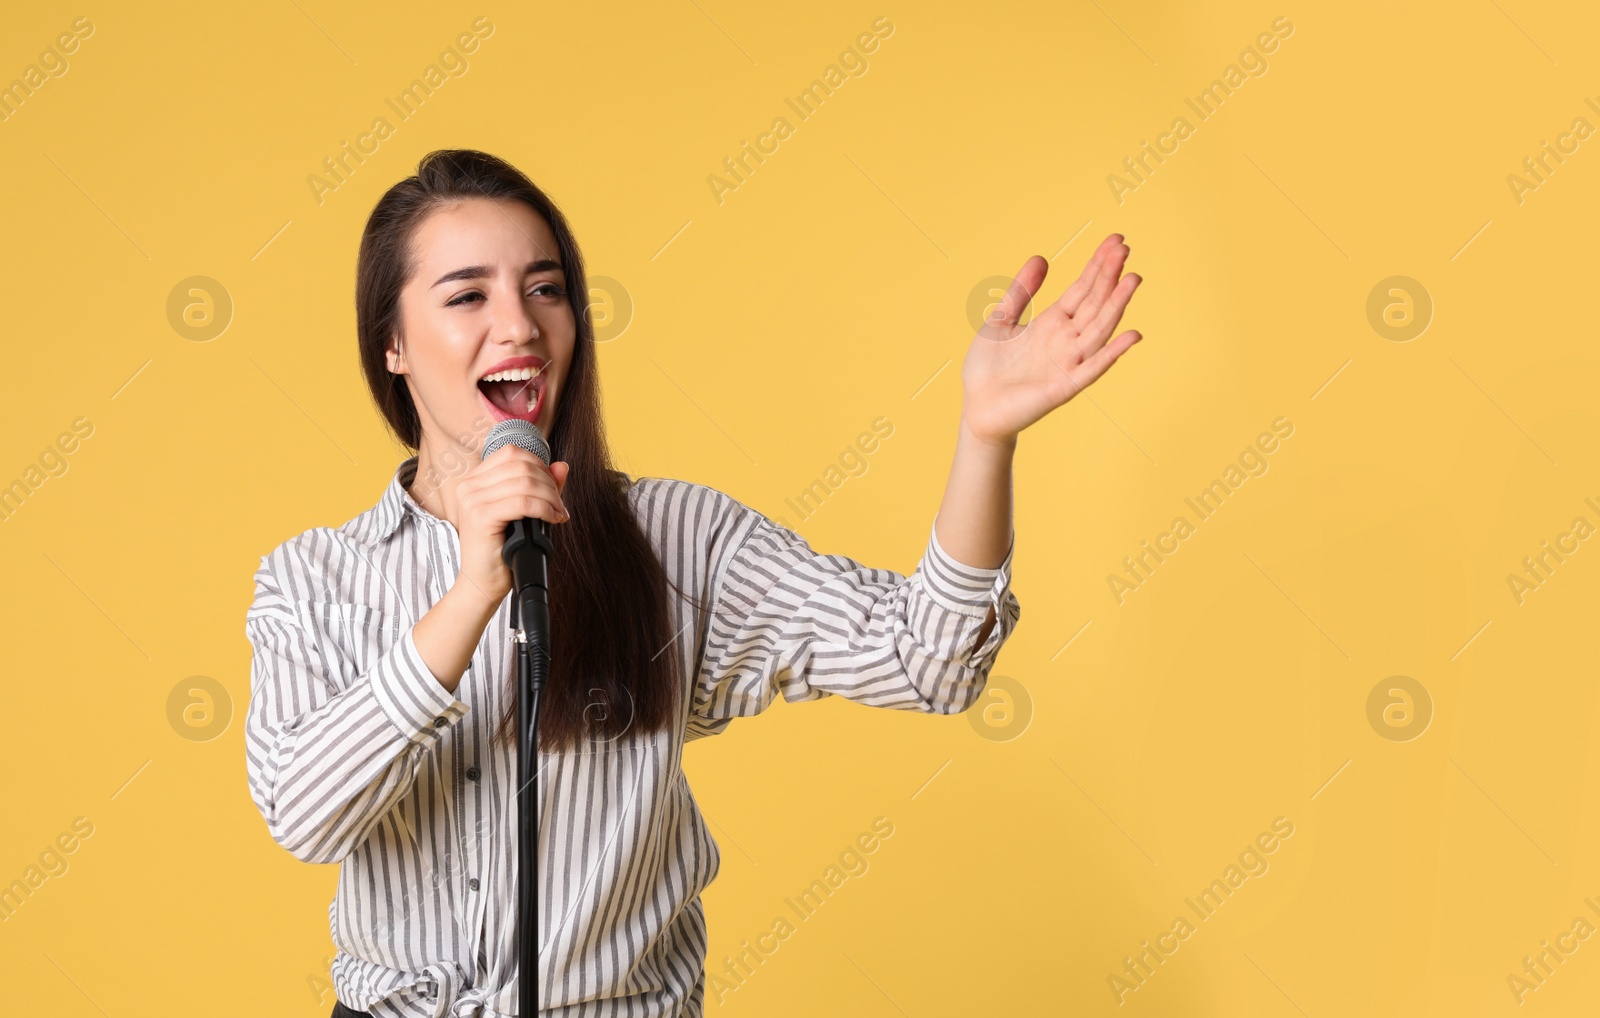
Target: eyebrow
484	271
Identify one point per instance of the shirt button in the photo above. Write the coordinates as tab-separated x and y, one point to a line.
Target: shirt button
473	773
473	883
439	722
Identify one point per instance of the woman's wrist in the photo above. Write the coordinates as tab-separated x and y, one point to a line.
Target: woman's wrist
473	600
992	447
973	523
449	632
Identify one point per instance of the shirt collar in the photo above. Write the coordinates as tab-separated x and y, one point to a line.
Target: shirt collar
396	502
384	518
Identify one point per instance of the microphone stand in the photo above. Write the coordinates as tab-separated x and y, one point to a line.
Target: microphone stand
527	553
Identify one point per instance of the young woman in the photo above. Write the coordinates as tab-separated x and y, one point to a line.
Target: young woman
382	709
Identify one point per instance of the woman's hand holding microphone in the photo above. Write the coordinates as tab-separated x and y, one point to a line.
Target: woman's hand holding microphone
511	484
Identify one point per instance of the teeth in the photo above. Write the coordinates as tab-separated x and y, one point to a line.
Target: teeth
512	375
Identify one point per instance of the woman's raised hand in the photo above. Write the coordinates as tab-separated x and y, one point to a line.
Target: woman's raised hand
1014	375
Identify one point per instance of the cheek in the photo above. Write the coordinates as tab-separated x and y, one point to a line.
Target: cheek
442	378
441	382
445	361
561	371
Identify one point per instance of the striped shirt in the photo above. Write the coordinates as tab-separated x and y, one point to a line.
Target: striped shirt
356	754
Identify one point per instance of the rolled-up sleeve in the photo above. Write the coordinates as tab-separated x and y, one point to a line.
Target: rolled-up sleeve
787	620
329	753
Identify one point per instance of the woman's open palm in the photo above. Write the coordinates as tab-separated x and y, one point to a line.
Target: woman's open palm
1014	375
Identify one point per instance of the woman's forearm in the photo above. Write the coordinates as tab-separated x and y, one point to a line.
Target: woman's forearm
448	633
974	520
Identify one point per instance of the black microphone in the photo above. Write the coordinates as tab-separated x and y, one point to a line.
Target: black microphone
527	555
528	548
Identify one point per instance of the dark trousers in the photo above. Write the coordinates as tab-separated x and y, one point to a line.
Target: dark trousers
340	1011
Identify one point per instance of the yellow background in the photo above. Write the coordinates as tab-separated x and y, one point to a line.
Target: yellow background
767	332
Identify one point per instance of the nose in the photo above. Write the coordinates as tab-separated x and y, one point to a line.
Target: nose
514	324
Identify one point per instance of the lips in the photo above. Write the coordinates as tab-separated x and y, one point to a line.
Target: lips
514	389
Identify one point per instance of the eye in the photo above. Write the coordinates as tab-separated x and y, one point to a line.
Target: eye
546	289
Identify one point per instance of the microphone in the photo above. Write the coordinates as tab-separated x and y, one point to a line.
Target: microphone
528	548
527	555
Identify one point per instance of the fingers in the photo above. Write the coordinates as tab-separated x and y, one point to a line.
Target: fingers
518	488
527	505
1018	294
1096	330
515	473
1095	365
511	461
1073	297
1104	282
557	470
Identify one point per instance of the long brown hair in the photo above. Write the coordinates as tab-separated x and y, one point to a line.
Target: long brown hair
609	615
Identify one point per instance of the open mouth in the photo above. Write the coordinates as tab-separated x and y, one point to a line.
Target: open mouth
515	390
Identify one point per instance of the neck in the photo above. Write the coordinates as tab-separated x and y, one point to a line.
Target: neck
440	467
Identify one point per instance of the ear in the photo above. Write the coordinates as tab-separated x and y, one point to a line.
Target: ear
394	357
